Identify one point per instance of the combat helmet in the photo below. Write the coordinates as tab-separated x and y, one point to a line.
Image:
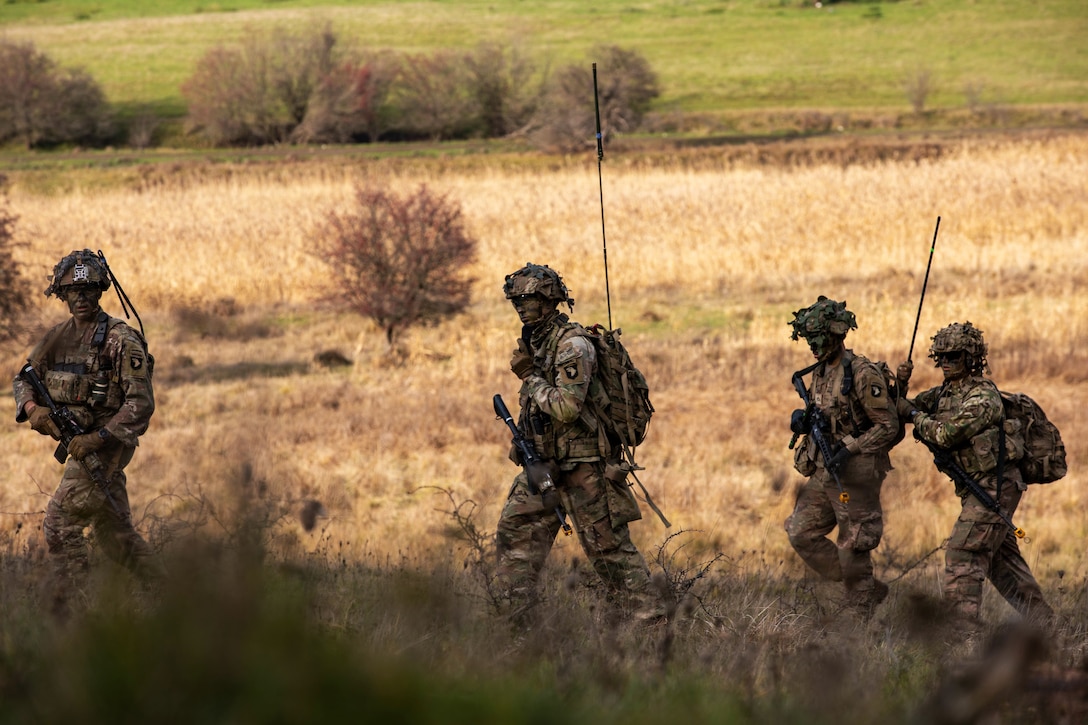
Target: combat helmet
537	279
823	319
961	337
78	268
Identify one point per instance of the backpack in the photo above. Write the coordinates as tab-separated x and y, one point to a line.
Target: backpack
888	374
622	399
1044	452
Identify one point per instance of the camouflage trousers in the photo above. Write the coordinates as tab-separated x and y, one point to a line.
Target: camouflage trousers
600	511
79	502
860	525
982	547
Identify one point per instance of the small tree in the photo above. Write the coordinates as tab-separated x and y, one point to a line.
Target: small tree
351	100
433	96
501	86
14	288
400	261
273	88
917	86
627	85
43	104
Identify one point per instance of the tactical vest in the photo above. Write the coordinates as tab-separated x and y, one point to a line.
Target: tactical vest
839	402
83	378
980	455
552	439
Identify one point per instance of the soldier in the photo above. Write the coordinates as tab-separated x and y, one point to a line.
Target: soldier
98	367
965	416
556	363
861	426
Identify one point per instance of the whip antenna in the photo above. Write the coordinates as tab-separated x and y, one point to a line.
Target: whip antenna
925	282
600	186
122	296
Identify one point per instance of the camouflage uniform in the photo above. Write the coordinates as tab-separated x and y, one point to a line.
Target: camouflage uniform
853	394
565	434
966	416
103	376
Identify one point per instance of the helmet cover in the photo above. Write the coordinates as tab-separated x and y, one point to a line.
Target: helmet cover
822	320
537	279
78	268
960	337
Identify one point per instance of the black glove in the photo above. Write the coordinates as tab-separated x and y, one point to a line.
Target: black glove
838	460
550	498
798	422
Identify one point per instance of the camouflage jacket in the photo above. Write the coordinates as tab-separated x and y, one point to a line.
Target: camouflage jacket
965	416
553	398
102	376
863	419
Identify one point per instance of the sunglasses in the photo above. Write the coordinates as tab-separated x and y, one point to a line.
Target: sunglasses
951	357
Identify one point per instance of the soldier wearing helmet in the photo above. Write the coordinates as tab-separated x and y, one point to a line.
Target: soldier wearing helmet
966	416
860	425
98	367
556	362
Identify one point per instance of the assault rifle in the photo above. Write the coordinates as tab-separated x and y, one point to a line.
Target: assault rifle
815	424
947	465
69	428
536	472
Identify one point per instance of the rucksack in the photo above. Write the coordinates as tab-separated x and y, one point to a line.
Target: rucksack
622	400
1044	452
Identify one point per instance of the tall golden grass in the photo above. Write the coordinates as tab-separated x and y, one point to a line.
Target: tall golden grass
705	267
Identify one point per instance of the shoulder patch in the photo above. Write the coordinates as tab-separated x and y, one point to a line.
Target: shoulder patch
875	390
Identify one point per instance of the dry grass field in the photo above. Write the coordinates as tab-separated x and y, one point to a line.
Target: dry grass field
706	265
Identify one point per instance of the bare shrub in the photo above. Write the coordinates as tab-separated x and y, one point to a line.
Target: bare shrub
627	85
433	96
14	288
142	129
279	87
400	261
42	104
918	86
351	101
502	89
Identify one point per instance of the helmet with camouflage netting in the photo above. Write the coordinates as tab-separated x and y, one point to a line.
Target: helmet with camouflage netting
823	318
537	279
961	337
81	267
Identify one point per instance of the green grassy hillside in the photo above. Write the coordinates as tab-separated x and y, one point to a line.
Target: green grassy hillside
711	55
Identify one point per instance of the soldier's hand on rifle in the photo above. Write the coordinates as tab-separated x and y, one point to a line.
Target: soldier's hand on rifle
550	498
904	408
838	460
81	445
41	422
521	362
798	422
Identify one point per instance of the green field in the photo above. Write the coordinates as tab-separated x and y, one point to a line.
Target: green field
712	56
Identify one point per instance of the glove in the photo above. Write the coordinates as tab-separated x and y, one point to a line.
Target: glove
41	422
902	376
797	422
838	460
521	362
550	498
903	407
81	445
